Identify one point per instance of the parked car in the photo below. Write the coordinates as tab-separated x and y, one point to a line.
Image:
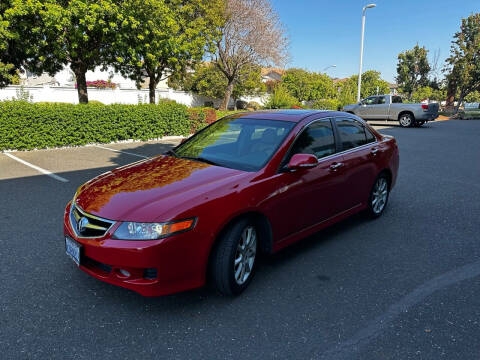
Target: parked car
470	111
391	107
247	184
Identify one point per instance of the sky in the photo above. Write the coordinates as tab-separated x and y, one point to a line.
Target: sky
323	32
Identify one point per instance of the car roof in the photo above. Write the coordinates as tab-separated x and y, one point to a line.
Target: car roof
292	115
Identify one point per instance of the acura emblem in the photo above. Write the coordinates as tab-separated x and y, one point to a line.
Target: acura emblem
82	224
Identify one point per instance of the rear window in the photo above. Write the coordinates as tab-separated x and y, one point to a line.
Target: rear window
353	133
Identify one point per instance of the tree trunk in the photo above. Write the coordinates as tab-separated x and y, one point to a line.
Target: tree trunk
460	100
228	93
81	85
451	91
152	85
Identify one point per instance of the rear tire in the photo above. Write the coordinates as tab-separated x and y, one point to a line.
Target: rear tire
406	120
378	199
234	258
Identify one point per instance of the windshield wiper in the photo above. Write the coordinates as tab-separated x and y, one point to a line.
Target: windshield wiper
171	152
201	159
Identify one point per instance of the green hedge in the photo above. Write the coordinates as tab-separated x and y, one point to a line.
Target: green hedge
326	104
26	126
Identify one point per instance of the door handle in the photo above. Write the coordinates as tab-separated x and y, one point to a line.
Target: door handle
374	151
336	166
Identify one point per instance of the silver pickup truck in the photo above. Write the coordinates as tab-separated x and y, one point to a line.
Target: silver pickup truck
390	107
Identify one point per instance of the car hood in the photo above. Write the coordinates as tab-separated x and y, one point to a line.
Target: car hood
152	190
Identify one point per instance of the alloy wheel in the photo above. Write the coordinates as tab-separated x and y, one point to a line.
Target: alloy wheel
245	255
379	196
405	120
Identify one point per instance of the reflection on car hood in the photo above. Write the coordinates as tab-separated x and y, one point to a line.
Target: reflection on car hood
146	190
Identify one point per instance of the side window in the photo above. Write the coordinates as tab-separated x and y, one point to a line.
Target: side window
352	133
381	100
396	100
317	139
372	100
370	137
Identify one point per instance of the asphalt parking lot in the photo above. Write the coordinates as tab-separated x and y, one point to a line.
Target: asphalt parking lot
405	286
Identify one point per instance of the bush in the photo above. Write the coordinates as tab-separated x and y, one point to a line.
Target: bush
25	126
280	99
326	104
201	117
223	113
254	105
100	84
164	101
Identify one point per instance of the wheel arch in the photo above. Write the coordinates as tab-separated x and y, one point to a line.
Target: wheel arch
405	112
263	226
389	175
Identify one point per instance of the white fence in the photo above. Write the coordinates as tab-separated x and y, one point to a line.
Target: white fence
108	96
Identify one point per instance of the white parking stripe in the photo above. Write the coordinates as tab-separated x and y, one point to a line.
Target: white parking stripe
39	169
121	151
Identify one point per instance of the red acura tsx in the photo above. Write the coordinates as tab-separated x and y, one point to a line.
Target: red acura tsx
247	184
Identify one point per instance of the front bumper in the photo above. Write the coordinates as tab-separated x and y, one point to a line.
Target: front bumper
155	267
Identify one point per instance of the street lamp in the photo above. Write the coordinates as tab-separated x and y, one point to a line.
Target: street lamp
328	67
361	48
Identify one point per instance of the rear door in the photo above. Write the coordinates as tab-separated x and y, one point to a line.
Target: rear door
359	149
380	109
306	197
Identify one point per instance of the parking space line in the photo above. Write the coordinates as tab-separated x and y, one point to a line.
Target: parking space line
121	151
39	169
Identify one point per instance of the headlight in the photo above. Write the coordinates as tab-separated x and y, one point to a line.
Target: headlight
151	231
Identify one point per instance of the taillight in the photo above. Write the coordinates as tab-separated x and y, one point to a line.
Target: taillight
424	106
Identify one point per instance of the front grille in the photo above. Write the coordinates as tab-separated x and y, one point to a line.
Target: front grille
88	225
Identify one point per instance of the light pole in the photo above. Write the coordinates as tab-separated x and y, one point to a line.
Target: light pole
361	49
328	67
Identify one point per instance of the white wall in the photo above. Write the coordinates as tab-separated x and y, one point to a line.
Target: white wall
109	96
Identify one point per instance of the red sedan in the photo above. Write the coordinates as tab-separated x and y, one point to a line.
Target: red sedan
247	184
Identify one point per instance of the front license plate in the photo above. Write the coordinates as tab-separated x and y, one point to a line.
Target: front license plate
72	249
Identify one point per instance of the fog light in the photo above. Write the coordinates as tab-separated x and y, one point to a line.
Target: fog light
124	273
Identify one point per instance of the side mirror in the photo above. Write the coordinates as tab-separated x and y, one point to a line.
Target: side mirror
302	161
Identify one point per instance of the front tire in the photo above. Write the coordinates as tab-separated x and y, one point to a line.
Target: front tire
406	120
234	258
378	199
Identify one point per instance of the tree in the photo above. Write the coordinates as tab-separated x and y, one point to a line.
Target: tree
7	69
413	69
161	37
422	93
17	50
464	61
308	86
207	80
372	84
281	98
251	34
473	97
78	33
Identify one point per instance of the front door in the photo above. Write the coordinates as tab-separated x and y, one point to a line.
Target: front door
367	107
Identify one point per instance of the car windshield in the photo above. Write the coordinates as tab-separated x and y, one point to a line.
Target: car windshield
238	143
